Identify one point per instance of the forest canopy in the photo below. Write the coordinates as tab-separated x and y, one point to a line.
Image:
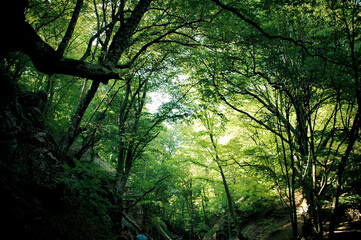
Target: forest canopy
202	113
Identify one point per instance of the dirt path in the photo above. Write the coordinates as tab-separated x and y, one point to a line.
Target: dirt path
348	231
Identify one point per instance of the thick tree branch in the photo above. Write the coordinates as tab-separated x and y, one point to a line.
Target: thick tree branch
122	38
20	36
69	32
47	60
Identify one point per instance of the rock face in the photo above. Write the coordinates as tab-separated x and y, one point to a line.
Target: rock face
28	166
41	198
27	150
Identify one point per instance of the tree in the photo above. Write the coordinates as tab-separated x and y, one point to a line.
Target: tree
291	102
285	74
131	31
210	124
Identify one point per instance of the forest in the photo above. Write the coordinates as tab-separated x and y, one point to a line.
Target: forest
181	119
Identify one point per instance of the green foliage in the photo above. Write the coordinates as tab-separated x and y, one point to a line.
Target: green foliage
269	87
88	189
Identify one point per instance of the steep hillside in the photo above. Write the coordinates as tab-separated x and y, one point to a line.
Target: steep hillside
275	224
34	203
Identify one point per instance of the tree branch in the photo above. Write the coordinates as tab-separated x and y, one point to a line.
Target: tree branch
122	37
157	40
47	60
69	32
147	192
254	24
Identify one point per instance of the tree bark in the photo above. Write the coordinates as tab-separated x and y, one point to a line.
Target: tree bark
228	193
230	204
122	37
47	60
122	144
20	36
69	32
73	130
50	61
354	133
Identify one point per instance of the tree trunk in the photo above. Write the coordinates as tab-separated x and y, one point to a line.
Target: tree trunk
122	38
228	193
231	205
50	94
126	149
290	182
354	134
356	125
311	228
122	144
69	32
73	130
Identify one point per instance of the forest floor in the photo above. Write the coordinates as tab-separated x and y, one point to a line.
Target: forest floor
280	229
277	225
269	228
348	230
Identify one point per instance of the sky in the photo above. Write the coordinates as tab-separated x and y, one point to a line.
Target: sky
156	100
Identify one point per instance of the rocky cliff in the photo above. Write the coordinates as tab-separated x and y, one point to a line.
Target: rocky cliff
35	203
